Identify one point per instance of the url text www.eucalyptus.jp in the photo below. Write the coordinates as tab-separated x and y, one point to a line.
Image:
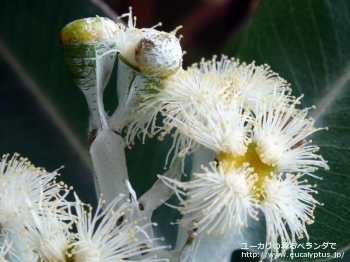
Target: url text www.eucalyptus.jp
339	255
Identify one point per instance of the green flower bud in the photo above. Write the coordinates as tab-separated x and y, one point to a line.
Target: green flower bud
88	30
89	49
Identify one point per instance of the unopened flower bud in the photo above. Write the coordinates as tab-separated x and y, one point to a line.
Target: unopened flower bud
159	54
89	50
88	30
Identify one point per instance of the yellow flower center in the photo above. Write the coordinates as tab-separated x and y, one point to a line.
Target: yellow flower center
70	259
251	156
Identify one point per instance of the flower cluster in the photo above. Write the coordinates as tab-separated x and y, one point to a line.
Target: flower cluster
247	116
244	114
36	221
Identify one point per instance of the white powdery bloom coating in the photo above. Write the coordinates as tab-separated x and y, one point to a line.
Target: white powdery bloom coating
108	236
251	82
159	55
19	181
280	131
217	200
287	202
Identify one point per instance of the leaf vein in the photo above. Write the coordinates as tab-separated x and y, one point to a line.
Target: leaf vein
286	58
335	30
338	174
319	41
334	215
303	48
333	193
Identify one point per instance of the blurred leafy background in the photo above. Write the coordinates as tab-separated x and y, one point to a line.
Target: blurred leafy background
43	115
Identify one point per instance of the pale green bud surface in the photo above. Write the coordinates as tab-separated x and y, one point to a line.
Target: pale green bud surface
88	30
89	50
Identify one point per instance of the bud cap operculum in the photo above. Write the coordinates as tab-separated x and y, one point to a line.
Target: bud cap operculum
159	55
88	30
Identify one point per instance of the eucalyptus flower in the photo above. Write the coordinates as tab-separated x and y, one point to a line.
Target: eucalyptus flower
223	126
258	137
109	236
221	199
47	232
288	206
22	183
204	106
280	132
194	102
249	81
32	208
177	97
217	201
